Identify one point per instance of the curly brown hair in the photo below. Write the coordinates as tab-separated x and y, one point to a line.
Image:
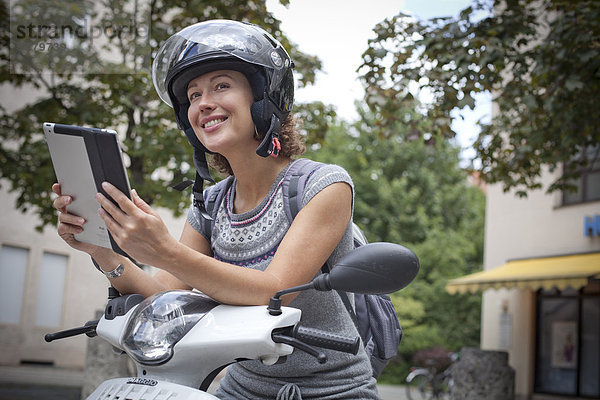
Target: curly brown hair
289	137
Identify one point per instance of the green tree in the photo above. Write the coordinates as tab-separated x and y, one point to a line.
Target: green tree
539	59
413	191
81	84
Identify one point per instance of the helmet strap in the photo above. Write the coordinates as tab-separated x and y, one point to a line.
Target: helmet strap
201	164
270	144
265	112
202	173
198	190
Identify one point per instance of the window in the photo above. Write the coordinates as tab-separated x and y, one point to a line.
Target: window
568	343
588	184
51	289
13	268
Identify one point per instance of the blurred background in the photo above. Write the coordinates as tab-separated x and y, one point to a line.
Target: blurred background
470	129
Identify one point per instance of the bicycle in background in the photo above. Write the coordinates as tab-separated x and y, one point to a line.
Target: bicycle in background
428	383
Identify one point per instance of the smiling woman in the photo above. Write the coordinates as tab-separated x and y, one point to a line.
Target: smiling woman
231	87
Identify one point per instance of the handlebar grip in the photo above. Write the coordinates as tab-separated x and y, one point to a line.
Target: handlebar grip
327	340
89	329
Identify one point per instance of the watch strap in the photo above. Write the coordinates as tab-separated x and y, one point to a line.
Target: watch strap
115	273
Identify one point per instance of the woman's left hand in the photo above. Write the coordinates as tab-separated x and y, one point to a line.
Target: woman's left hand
135	226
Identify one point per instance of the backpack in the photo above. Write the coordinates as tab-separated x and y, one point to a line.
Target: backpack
373	315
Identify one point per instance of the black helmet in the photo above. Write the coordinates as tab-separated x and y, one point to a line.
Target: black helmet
232	45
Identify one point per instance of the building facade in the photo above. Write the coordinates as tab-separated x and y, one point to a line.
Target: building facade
46	286
541	287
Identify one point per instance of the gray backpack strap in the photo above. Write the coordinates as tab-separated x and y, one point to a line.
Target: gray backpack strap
214	196
295	182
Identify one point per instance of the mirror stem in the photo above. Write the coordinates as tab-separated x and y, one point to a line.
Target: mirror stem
274	307
321	283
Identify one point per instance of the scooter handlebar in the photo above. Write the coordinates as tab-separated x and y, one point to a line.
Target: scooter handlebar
327	340
89	329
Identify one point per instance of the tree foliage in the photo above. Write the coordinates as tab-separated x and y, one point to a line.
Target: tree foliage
413	192
105	84
539	59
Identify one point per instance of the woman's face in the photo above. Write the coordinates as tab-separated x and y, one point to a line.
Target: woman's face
219	110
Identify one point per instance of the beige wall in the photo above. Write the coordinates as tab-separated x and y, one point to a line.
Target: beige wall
85	290
537	225
530	227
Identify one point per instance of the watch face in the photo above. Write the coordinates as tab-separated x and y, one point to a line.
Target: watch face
115	273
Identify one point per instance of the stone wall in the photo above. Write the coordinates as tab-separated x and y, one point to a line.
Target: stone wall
483	374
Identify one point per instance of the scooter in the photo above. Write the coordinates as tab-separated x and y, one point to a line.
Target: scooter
181	340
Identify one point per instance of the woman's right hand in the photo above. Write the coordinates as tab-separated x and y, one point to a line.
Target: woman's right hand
69	224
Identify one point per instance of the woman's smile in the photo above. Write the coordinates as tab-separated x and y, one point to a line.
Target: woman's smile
213	122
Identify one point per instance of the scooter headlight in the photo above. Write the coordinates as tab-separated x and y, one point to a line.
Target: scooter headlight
160	321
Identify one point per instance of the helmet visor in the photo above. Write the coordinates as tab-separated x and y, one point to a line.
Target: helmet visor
247	42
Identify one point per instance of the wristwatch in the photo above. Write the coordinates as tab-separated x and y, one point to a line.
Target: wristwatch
115	273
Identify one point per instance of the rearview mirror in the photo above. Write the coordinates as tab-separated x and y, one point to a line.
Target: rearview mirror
375	268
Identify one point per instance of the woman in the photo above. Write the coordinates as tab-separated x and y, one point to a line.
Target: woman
231	87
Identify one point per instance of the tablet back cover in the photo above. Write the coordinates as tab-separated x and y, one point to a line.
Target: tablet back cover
83	158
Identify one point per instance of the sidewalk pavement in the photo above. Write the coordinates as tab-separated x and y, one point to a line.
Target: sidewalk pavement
52	383
392	392
40	375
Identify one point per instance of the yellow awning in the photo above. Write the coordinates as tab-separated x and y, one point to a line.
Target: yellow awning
535	273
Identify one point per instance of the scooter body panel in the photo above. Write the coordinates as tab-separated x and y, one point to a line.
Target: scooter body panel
225	335
146	389
112	330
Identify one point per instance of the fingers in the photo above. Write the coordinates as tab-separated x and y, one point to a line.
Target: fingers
113	215
132	222
61	203
71	219
113	226
138	201
68	229
67	223
109	207
125	204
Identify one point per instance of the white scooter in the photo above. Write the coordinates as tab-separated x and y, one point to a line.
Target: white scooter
180	340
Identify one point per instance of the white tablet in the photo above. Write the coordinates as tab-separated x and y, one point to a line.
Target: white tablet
83	158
